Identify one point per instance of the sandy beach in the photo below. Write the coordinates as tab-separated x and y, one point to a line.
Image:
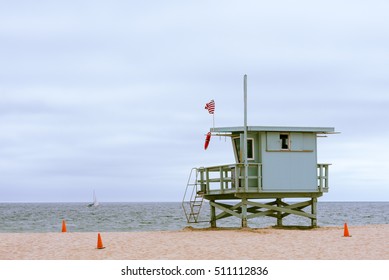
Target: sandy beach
326	243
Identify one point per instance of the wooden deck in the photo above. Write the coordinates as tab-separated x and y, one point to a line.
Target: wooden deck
226	182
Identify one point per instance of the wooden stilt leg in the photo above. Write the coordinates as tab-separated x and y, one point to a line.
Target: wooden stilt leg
279	213
213	216
314	212
244	212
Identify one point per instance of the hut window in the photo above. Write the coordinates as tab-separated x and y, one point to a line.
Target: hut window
250	149
284	141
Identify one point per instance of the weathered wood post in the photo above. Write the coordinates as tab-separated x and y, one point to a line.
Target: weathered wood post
244	212
314	212
279	213
213	215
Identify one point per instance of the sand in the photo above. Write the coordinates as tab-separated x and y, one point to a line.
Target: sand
325	243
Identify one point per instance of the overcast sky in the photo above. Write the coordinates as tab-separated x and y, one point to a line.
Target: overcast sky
109	95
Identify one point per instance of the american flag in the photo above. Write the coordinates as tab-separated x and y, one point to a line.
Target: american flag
210	106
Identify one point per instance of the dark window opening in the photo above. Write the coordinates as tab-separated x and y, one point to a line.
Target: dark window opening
284	141
250	148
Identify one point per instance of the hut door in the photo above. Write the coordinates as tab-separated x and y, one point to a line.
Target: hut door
238	151
250	157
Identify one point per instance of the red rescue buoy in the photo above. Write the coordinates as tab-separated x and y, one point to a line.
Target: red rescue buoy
207	139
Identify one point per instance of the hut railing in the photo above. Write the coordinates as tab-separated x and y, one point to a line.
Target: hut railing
230	177
322	176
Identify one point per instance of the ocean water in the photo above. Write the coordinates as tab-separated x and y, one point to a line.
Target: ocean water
154	216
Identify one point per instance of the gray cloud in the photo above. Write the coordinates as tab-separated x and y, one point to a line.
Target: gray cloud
111	96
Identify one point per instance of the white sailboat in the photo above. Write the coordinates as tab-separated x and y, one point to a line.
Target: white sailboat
95	203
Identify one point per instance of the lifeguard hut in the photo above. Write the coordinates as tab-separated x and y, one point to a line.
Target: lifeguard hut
271	163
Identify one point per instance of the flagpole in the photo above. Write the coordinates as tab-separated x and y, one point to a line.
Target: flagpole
246	178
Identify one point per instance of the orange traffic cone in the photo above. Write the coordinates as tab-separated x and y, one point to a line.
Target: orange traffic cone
63	226
346	233
99	242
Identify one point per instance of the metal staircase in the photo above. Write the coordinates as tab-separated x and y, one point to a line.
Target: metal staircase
193	198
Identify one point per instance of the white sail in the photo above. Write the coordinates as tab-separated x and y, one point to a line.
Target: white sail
95	203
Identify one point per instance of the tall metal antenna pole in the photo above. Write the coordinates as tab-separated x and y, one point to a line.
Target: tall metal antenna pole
246	178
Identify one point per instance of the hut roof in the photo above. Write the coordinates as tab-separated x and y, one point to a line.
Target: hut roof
318	130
